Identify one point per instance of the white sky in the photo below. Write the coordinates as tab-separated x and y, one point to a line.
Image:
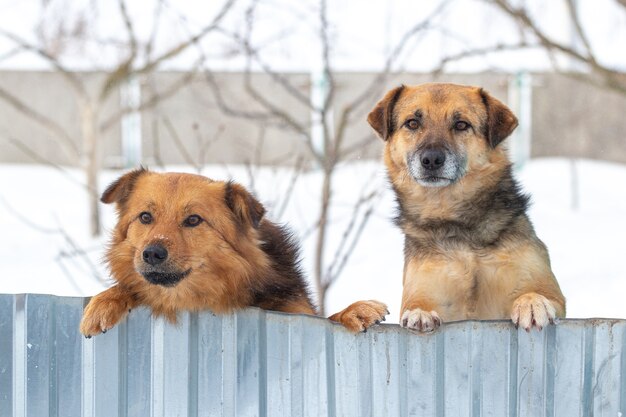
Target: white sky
362	32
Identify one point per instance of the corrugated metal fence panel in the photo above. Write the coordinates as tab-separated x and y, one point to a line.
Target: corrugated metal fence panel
255	363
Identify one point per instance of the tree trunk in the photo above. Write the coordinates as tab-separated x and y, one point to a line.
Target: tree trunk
320	283
91	165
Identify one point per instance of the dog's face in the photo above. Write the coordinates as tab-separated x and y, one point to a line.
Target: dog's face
440	132
176	228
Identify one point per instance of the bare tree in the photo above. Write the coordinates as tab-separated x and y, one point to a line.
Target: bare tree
533	35
137	59
579	50
333	121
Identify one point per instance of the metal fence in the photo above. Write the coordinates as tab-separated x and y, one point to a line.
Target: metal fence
256	363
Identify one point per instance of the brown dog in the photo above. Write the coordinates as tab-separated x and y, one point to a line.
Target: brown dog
185	242
470	249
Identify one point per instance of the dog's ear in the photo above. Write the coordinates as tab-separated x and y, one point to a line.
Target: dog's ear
501	121
247	209
381	117
119	190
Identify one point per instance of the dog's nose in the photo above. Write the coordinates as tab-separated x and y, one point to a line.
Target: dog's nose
433	159
154	254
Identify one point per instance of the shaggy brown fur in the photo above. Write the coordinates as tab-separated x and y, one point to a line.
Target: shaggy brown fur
185	242
470	249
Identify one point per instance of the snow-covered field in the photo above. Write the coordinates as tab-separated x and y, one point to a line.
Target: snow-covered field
43	224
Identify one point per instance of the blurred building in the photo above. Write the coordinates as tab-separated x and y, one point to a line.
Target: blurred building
567	118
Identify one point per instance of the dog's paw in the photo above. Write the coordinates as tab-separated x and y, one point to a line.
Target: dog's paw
359	316
101	314
532	309
418	319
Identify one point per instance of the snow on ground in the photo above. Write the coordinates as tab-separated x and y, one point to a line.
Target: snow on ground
43	223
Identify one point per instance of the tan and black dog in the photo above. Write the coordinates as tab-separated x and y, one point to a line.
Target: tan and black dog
185	242
470	249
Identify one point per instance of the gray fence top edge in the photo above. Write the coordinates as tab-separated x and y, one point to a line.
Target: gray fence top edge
381	328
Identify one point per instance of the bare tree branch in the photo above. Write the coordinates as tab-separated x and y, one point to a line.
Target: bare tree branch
152	101
66	141
179	144
276	111
348	151
324	111
125	69
75	249
343	252
10	54
378	83
279	78
610	78
257	116
156	20
175	51
326	63
575	20
522	16
479	52
204	145
271	112
270	108
25	220
45	161
295	175
130	31
156	141
71	77
253	53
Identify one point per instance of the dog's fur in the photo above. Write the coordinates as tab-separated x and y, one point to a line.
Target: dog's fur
470	249
185	242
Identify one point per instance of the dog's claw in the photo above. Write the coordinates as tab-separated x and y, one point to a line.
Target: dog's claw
533	310
420	320
360	315
104	331
87	336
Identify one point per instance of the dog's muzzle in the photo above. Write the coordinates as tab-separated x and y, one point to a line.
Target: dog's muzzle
156	268
165	279
435	167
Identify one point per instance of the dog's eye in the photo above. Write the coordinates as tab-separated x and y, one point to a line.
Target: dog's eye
461	126
412	124
192	221
145	218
